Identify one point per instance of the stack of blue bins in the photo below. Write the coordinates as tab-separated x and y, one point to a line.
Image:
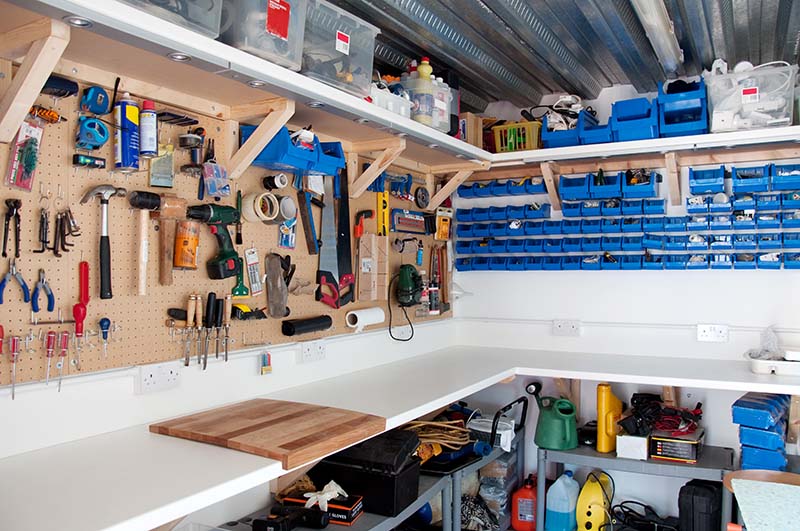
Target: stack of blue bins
762	430
682	108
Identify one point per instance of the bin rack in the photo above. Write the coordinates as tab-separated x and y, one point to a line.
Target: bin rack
635	119
590	131
552	139
707	181
755	179
281	153
683	113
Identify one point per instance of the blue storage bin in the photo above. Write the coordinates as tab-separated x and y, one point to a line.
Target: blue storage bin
768	221
498	246
571	245
790	220
483	189
553	245
463	247
697	204
590	131
676	261
697	261
639	184
533	246
571	210
591	208
591	263
653	224
610	262
634	119
480	230
720	208
786	177
571	263
772	240
697	242
590	244
480	263
683	113
533	228
533	263
515	212
707	181
330	158
631	208
722	242
571	226
790	200
631	262
742	221
676	243
464	230
463	264
697	223
791	260
745	242
611	207
574	188
766	261
770	439
552	227
751	179
464	214
515	263
480	246
611	243
632	225
532	212
535	185
498	189
515	228
515	246
480	214
768	202
498	229
466	191
497	213
592	226
744	202
653	262
655	206
611	225
497	263
632	243
675	224
721	222
281	152
551	263
721	261
552	139
791	240
516	187
610	187
759	410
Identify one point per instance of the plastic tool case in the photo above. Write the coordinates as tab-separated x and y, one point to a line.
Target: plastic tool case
382	469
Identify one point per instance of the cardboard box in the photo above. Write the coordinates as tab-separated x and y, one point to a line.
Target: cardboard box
679	449
470	128
633	447
342	511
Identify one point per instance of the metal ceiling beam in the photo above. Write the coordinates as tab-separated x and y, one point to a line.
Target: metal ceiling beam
789	46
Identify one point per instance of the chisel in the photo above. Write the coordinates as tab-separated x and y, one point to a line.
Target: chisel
226	321
211	312
189	329
218	311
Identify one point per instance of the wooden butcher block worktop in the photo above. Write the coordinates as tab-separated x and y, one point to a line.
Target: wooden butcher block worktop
290	432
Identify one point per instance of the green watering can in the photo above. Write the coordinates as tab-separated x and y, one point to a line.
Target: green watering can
556	428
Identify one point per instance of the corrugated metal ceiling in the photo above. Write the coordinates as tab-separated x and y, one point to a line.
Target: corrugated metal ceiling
519	50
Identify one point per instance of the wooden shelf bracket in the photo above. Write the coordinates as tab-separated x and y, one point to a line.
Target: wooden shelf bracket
550	174
463	172
278	112
390	148
41	42
673	178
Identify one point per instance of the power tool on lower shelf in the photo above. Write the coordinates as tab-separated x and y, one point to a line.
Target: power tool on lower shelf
227	262
287	518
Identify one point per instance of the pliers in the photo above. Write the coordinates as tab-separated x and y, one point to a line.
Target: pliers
12	272
44	285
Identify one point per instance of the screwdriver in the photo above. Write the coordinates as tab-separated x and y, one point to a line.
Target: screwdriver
14	348
211	307
218	311
198	323
190	311
226	320
83	283
105	326
79	314
49	346
62	356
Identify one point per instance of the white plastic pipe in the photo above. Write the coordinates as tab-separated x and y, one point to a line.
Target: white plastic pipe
660	32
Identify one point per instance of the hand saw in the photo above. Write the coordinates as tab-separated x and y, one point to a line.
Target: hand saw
328	270
345	258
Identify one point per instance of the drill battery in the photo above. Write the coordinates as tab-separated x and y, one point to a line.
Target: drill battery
282	518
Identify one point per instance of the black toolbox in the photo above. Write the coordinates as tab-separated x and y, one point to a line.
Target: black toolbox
700	505
382	470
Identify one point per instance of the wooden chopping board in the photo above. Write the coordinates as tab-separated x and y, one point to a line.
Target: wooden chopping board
294	433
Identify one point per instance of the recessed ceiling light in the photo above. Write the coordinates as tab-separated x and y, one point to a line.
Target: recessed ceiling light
433	146
460	156
77	22
179	57
315	104
255	83
401	135
361	121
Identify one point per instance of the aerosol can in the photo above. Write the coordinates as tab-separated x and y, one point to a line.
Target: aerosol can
126	135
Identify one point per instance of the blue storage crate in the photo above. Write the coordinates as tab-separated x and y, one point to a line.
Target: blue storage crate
707	181
480	230
611	225
480	246
552	227
655	206
632	243
639	184
653	224
498	189
571	245
697	261
631	262
770	439
574	188
497	263
571	226
675	224
330	158
590	226
632	208
744	202
516	187
480	214
466	191
551	263
652	241
463	264
772	240
697	204
722	207
498	246
653	262
535	186
683	113
609	187
281	153
721	222
791	240
591	208
515	228
537	211
463	247
497	213
769	260
721	261
590	131
483	189
515	212
790	220
610	262
591	263
760	459
498	229
611	207
722	242
515	263
480	263
533	228
676	243
743	221
768	202
571	263
571	210
745	242
464	230
553	245
790	200
632	225
533	263
791	260
759	410
533	246
515	246
676	261
611	243
768	221
786	177
697	242
697	223
464	214
754	179
552	139
590	244
634	119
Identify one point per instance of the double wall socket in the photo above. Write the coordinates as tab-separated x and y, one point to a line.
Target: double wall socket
712	333
563	327
312	351
158	377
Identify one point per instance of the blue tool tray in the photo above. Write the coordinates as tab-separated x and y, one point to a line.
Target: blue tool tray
769	264
786	177
770	439
769	221
480	214
591	208
463	247
631	208
791	240
330	158
533	263
571	245
653	224
744	261
571	263
281	153
611	188
515	263
611	207
724	222
590	131
571	210
676	243
571	226
653	262
654	206
551	139
591	265
790	220
697	261
694	206
635	119
675	224
768	202
746	222
718	242
574	188
791	260
751	179
551	263
592	226
498	229
651	241
552	227
611	225
744	202
533	246
497	213
515	228
683	113
590	244
480	231
498	189
632	243
463	264
641	190
773	240
611	243
554	245
632	225
721	261
790	200
516	187
533	213
610	262
497	263
535	185
480	247
464	214
515	212
533	228
745	242
498	246
631	262
466	191
676	261
707	181
464	230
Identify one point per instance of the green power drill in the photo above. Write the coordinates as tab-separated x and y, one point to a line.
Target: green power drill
227	262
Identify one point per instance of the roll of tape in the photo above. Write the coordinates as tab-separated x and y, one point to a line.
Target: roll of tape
259	207
358	319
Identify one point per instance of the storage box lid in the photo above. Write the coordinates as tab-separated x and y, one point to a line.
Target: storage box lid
388	452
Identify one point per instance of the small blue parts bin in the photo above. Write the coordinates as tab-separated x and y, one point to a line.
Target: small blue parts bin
535	186
551	138
769	261
497	213
516	187
743	220
720	203
480	264
533	263
786	177
463	264
552	227
604	185
590	131
652	241
610	261
632	243
745	242
537	211
464	230
611	225
676	243
553	245
723	222
632	225
515	212
655	206
611	207
551	263
721	261
697	261
591	263
631	262
771	240
282	153
653	224
631	208
768	202
682	108
571	245
466	191
515	227
791	220
590	244
592	226
744	261
533	228
696	223
791	260
480	230
515	246
464	214
635	119
574	188
515	263
744	202
591	208
330	158
720	242
570	263
697	204
482	189
498	229
480	214
697	242
533	246
755	179
653	262
707	181
571	210
497	263
639	184
790	200
499	189
463	247
768	220
611	243
497	246
676	261
571	226
675	224
791	240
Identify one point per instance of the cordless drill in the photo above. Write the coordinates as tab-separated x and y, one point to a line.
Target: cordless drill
227	262
287	518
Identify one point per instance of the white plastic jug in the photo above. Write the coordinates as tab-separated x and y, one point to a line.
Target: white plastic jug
562	497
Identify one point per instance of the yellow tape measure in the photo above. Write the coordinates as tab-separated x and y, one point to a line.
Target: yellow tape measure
383	213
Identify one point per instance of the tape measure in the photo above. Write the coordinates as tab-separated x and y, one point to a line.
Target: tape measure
92	134
95	100
383	213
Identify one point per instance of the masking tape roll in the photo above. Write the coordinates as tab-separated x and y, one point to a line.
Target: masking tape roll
259	207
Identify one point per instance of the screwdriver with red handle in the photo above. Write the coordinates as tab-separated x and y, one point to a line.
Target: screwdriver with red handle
79	314
62	356
14	342
49	347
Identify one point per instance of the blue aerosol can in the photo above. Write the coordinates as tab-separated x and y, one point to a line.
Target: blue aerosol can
126	134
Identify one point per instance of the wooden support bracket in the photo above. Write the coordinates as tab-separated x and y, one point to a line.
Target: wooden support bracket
550	173
391	149
279	113
793	431
462	173
673	178
669	396
41	42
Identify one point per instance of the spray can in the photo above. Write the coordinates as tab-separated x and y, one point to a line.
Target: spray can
148	130
126	135
187	238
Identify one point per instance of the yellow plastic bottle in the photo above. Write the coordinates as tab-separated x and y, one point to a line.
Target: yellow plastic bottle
609	410
422	94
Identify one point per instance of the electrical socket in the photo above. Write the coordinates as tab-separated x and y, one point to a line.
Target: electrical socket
401	332
562	327
712	333
158	377
312	351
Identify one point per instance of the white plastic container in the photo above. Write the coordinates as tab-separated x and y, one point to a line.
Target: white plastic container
758	98
442	96
561	500
391	102
271	29
338	48
201	16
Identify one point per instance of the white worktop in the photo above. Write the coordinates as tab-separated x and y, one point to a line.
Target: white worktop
134	480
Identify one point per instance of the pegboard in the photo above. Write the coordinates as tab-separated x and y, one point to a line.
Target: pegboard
142	336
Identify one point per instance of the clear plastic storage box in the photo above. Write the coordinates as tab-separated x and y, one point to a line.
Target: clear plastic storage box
202	16
391	102
271	29
338	48
762	97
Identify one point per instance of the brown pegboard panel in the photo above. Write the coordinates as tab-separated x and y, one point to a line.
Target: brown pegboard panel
143	336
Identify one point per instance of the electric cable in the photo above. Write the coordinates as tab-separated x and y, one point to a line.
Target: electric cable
389	307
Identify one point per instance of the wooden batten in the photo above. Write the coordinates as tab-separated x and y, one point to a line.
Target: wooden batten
550	173
279	114
673	178
390	148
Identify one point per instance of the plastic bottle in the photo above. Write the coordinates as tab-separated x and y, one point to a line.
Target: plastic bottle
523	506
562	497
422	95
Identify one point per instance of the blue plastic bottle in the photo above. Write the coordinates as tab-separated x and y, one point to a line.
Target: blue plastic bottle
562	497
